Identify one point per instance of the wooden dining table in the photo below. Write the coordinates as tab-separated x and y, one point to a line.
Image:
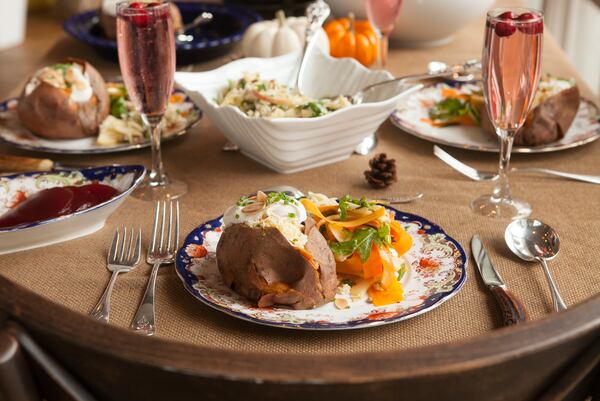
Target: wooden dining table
72	275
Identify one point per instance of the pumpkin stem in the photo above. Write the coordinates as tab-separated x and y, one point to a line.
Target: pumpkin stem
280	16
352	18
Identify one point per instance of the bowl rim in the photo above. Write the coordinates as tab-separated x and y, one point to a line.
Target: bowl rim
139	170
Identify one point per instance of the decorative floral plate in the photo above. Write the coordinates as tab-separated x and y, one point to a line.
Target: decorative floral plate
437	272
413	108
14	134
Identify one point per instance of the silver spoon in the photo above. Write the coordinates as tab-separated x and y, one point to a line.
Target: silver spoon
478	175
533	240
203	18
296	193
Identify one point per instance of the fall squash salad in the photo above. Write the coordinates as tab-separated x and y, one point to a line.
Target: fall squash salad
367	243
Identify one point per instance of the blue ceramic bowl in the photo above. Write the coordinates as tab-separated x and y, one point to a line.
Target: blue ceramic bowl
210	40
84	222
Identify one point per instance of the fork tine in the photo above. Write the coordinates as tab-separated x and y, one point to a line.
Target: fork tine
170	228
130	246
123	250
155	227
162	226
138	247
176	226
112	252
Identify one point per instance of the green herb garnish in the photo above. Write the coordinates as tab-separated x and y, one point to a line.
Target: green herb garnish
361	242
317	109
291	215
244	201
261	87
347	200
63	67
401	271
273	197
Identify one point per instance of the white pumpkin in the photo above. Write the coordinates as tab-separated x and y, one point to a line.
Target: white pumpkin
279	36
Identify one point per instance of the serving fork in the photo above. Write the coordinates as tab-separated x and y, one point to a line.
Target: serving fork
162	250
478	175
123	256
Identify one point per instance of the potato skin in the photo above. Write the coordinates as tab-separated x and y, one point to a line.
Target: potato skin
546	123
261	265
48	111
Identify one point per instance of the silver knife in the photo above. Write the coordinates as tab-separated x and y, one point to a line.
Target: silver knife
513	311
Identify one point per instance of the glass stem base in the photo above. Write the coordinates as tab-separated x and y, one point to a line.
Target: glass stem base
501	208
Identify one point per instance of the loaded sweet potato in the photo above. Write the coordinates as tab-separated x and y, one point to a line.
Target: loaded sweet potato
67	100
272	253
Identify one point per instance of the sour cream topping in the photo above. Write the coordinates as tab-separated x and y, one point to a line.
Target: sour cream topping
72	78
285	215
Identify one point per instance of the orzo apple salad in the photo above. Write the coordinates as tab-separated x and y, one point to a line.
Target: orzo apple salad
266	98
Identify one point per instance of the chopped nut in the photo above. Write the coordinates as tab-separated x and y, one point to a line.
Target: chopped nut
253	207
341	303
261	196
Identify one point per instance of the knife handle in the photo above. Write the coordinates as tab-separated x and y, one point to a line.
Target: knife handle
513	311
10	163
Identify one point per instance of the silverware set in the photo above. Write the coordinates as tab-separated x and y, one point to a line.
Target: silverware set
530	240
124	254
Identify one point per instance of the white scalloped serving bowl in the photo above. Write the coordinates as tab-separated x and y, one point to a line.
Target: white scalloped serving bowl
288	145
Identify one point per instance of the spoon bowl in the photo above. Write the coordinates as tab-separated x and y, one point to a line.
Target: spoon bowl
533	240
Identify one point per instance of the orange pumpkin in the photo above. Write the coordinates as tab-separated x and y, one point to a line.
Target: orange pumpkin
350	38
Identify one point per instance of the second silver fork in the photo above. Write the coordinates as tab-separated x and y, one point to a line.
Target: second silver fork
162	251
121	259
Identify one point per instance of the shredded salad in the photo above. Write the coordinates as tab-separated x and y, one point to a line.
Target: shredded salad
266	98
367	243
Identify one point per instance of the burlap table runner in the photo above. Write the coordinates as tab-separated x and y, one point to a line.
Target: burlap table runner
74	274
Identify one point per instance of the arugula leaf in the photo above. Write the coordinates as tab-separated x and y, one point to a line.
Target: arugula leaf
447	109
361	242
401	272
385	234
117	107
472	113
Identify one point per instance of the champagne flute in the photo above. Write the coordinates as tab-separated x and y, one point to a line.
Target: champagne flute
146	45
511	61
382	14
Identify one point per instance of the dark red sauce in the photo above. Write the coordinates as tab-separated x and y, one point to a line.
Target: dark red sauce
55	202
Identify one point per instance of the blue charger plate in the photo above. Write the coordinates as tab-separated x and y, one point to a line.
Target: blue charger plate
210	40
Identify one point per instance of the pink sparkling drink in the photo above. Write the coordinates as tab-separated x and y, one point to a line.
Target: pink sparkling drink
511	64
147	55
511	67
146	45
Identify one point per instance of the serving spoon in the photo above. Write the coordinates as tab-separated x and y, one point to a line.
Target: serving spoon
296	193
532	240
182	36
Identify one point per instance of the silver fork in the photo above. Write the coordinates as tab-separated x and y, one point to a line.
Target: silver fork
162	250
478	175
121	259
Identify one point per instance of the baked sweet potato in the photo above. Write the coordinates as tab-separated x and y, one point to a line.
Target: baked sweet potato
50	109
261	265
547	122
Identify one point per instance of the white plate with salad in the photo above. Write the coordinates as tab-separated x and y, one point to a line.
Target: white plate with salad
121	130
449	113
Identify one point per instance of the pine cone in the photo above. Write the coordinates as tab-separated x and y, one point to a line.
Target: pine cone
382	172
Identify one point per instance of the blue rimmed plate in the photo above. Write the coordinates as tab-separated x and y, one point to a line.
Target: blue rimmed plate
14	134
437	271
210	40
84	222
